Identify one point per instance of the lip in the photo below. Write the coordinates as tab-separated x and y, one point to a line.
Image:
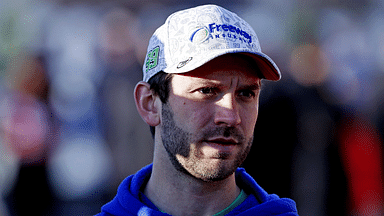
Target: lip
222	145
222	141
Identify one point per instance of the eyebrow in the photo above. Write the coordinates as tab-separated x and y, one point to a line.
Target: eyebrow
252	87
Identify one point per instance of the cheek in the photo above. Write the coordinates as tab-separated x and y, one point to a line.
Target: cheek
249	118
191	114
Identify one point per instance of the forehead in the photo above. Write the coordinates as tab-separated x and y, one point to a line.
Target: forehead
225	67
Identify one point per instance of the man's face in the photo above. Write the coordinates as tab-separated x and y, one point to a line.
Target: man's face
208	122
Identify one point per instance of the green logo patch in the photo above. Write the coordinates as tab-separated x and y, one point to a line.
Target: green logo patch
152	59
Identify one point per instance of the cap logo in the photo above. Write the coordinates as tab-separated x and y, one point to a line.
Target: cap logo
229	31
199	35
152	59
183	63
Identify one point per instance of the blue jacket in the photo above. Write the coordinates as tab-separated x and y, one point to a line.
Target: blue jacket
131	201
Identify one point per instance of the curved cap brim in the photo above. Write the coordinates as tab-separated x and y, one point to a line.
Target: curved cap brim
266	65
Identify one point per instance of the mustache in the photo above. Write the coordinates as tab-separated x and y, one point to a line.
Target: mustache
223	132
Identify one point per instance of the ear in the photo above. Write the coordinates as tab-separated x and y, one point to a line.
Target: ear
147	104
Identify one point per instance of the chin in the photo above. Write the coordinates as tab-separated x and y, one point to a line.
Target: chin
211	172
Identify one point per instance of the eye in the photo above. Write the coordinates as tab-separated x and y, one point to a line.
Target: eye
247	94
207	90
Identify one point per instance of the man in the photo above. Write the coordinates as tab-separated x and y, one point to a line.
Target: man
200	95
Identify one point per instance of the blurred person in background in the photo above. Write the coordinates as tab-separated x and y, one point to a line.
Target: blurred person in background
123	128
200	95
27	130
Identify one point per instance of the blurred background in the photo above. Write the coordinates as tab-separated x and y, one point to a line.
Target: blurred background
70	133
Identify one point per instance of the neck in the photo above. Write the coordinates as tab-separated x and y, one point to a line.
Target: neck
177	193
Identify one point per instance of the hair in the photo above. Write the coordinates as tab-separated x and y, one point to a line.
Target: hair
160	85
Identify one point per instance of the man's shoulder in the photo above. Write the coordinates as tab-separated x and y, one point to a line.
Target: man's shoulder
259	201
276	206
127	200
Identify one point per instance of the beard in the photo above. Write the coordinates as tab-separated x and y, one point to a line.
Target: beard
184	153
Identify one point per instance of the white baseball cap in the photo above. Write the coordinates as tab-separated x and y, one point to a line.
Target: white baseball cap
192	37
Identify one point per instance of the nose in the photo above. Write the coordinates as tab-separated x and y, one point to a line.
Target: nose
227	112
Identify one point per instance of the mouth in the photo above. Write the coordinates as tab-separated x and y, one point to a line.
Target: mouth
221	145
222	141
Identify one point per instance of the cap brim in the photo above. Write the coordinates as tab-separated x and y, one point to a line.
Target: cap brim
267	66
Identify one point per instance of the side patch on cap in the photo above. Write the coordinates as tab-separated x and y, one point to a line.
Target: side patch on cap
152	59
